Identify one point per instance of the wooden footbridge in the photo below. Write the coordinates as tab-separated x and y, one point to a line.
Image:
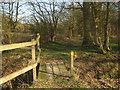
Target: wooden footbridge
54	69
49	70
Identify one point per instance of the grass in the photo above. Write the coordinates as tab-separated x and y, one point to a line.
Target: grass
58	50
61	51
115	47
64	47
76	38
105	66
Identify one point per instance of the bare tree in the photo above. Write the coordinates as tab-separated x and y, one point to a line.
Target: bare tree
10	16
49	14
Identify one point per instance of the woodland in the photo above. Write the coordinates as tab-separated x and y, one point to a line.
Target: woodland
90	29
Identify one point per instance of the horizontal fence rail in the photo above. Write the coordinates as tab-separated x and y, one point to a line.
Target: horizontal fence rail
17	45
28	68
17	73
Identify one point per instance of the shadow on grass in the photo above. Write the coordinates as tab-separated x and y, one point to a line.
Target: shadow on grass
59	48
65	47
115	47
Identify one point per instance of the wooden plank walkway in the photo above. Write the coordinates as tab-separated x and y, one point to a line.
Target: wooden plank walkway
51	70
48	73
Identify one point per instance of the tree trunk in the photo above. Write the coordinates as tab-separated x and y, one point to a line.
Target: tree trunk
52	37
52	34
94	26
106	31
100	48
87	41
70	33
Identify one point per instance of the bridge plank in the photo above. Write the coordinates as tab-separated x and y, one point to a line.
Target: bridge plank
55	69
42	72
63	70
49	70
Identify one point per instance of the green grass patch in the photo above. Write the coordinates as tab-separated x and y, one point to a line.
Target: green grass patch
76	38
64	47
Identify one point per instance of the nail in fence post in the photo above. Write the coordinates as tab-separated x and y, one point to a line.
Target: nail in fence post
33	58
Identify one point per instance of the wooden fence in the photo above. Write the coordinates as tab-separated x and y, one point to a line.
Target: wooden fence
33	43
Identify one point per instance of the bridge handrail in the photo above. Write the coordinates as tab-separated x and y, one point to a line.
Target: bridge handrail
22	71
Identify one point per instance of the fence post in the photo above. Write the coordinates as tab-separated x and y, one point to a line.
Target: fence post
71	63
38	47
33	58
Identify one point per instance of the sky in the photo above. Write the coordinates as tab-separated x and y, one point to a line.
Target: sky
43	0
26	8
62	0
